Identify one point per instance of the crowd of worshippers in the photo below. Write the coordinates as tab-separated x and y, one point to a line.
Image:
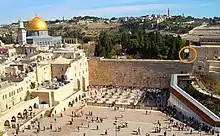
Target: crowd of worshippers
189	121
156	97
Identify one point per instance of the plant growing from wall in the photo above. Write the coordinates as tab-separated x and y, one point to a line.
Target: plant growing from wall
32	85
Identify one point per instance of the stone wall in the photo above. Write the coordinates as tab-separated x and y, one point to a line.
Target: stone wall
139	73
208	51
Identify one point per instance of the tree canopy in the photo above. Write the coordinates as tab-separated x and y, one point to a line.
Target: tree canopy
137	42
7	39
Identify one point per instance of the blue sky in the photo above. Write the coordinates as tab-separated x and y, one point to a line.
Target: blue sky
13	10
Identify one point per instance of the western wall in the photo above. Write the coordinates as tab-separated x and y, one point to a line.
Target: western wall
132	72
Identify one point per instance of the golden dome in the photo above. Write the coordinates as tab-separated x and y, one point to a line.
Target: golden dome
37	24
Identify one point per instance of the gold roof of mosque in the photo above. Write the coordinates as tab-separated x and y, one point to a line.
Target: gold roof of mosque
37	24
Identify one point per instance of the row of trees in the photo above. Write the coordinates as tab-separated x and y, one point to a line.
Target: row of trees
139	44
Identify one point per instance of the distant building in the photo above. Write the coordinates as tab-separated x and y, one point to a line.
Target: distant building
209	40
168	12
36	32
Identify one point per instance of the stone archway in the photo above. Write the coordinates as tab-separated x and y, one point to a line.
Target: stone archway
7	123
30	108
13	119
83	84
19	116
78	84
35	106
70	104
43	102
25	112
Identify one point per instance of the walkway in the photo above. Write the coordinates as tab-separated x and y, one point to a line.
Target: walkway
200	87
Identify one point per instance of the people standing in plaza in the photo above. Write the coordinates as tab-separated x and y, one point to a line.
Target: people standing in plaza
165	133
126	124
139	130
51	126
97	127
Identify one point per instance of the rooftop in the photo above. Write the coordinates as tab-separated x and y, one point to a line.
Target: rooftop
4	85
47	86
211	36
61	60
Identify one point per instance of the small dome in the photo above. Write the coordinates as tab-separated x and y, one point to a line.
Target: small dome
37	24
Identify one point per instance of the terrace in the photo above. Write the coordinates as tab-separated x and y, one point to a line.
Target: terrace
55	85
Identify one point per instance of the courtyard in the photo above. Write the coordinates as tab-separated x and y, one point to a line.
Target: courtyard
97	121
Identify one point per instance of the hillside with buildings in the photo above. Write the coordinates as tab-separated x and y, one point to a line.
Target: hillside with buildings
51	83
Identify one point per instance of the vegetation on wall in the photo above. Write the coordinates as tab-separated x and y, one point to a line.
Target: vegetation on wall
211	84
208	101
32	85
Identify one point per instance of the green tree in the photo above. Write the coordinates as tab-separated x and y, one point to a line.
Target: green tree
105	47
139	43
7	39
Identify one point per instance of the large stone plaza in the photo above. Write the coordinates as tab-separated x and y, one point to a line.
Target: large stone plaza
88	125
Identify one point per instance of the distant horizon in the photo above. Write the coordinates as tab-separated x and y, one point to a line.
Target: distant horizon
56	9
61	18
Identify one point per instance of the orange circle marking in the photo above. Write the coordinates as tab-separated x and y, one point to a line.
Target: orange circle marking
186	61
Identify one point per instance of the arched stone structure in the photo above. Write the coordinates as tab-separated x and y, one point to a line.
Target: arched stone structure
43	102
19	115
30	108
25	112
76	99
7	123
35	106
70	104
13	119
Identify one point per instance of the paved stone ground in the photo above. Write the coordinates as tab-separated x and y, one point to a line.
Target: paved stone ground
134	118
